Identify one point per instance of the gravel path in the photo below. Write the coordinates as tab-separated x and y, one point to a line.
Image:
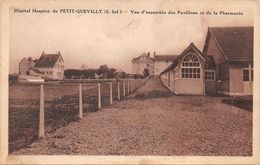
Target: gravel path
153	121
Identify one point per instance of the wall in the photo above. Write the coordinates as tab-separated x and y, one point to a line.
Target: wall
223	78
214	51
138	68
210	87
24	66
160	66
222	68
58	69
189	86
183	86
151	69
45	75
139	64
236	79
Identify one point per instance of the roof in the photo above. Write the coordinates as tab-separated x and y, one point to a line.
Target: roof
165	57
28	59
47	60
135	59
190	48
36	70
235	43
142	55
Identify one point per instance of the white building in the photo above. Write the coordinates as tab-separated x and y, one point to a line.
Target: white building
51	66
161	62
142	62
25	65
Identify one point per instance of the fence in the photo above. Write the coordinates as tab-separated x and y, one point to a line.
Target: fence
77	95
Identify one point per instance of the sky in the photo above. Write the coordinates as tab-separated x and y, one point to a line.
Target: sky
114	39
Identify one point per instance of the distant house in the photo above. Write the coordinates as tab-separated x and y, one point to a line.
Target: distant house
161	62
225	66
51	66
141	63
232	50
25	65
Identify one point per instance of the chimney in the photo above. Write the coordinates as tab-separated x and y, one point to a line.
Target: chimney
59	53
42	52
148	54
154	53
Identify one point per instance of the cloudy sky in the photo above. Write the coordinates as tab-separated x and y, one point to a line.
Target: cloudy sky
114	39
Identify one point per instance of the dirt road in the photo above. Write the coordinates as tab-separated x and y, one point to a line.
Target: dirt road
153	121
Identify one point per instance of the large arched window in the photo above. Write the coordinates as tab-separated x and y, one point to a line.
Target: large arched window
190	67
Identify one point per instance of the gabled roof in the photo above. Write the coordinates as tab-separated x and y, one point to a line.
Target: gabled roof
165	57
190	48
142	55
27	59
47	60
137	58
235	43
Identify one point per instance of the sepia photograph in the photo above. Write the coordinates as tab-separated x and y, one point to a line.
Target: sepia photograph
146	81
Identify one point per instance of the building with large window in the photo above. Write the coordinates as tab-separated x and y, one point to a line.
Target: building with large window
190	73
225	66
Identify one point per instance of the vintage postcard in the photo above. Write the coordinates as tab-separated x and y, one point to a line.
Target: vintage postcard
130	82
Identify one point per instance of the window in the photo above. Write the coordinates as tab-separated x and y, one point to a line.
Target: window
210	75
190	67
50	72
190	60
248	72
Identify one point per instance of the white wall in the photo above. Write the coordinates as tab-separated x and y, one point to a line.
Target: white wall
138	68
160	66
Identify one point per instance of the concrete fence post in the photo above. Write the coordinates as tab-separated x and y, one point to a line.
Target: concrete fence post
118	91
99	96
41	117
111	92
128	87
123	88
80	102
131	86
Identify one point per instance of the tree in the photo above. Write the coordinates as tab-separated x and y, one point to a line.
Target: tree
146	72
103	70
89	73
111	73
72	73
106	72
